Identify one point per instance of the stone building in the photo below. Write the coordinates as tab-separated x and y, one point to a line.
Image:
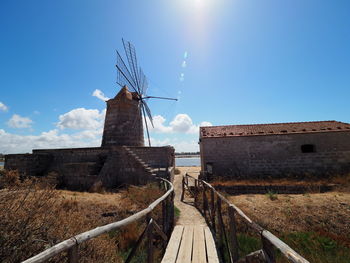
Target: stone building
122	158
276	150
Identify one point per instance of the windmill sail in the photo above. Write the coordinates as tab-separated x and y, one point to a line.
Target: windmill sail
123	74
134	78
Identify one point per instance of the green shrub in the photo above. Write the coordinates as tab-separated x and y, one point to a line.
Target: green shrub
272	195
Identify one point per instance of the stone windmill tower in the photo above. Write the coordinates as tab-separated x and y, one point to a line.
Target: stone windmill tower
128	109
123	123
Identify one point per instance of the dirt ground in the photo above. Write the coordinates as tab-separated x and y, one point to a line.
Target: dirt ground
189	215
327	213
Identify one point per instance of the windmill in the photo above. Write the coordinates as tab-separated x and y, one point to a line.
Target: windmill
133	77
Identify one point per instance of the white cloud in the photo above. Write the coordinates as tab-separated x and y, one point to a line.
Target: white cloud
81	118
13	143
180	146
158	122
88	124
3	107
100	95
17	121
205	124
182	123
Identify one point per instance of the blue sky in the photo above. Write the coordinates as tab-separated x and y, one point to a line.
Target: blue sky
246	62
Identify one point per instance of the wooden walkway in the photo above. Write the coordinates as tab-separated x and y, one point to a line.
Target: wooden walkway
191	244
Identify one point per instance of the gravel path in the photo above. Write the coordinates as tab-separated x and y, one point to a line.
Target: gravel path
189	215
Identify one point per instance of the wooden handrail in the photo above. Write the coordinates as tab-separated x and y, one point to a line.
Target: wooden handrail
266	236
80	238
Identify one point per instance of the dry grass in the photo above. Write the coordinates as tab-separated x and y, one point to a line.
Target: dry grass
35	216
342	180
326	213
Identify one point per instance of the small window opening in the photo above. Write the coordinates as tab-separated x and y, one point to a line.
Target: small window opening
308	148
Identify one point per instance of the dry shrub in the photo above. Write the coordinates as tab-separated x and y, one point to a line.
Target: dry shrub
97	187
128	235
143	196
26	217
307	180
34	216
9	178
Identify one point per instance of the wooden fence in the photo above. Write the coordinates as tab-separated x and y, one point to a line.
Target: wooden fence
72	245
210	203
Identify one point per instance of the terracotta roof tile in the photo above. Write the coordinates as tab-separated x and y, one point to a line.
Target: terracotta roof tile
273	128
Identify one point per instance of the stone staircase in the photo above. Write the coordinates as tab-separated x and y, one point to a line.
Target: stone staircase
133	155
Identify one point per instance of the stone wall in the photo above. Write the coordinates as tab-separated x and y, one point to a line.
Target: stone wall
80	168
156	156
277	155
35	165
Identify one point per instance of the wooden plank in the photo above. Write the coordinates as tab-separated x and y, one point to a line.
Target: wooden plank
286	250
73	254
210	245
173	245
233	242
256	256
199	252
185	252
150	248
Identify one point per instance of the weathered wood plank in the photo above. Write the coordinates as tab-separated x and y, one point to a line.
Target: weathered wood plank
173	245
199	251
289	253
256	256
73	254
159	230
210	246
233	243
185	252
150	248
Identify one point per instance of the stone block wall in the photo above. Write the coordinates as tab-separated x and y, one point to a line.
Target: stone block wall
123	122
80	168
277	155
35	165
156	156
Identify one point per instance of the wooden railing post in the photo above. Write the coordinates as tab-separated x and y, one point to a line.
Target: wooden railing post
183	189
204	202
165	215
150	257
212	197
220	227
171	222
195	192
268	250
73	254
233	234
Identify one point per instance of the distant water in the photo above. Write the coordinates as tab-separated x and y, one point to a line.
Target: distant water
1	163
194	161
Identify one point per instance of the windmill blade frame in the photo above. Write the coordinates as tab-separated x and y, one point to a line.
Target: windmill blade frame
132	60
124	76
148	111
131	75
145	120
